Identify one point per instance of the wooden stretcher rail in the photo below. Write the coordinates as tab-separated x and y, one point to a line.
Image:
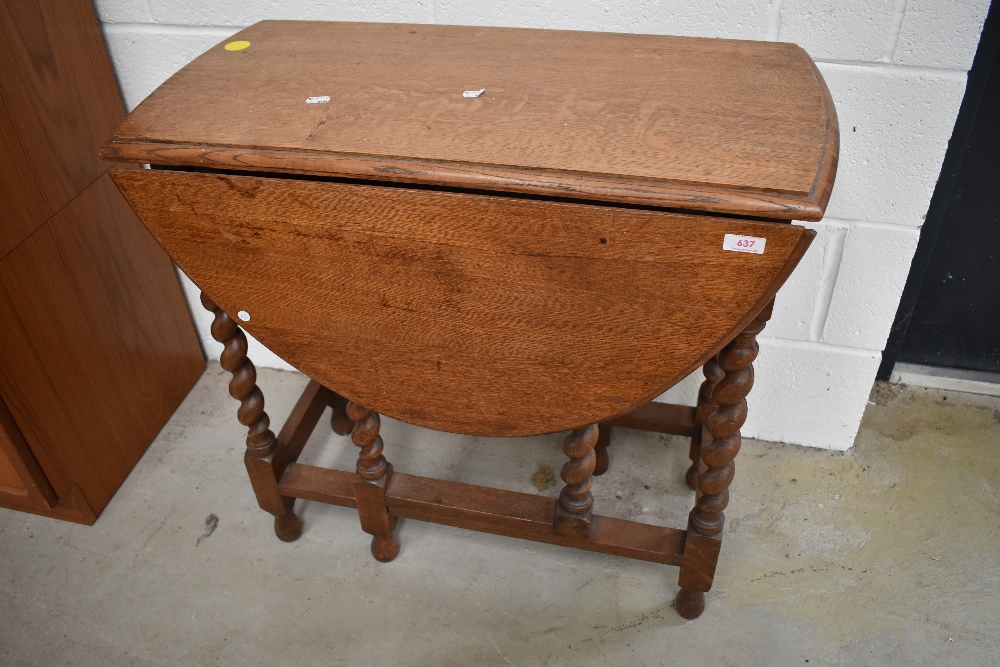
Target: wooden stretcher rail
661	418
300	424
487	510
335	487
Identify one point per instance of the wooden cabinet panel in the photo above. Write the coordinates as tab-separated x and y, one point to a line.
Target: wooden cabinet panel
60	102
109	360
20	382
97	348
143	332
22	205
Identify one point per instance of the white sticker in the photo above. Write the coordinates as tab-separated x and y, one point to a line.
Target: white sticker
319	99
751	244
243	315
474	93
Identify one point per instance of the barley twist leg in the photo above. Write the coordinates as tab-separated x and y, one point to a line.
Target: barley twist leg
575	501
719	445
706	406
261	442
373	476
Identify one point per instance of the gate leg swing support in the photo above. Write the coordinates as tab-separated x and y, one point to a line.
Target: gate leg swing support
382	496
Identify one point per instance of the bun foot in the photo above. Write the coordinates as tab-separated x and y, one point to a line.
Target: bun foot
691	477
385	548
689	604
288	527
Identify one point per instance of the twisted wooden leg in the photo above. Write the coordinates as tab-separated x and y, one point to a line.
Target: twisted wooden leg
706	406
374	474
339	421
261	443
601	449
573	509
719	446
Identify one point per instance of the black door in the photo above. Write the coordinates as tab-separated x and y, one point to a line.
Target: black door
950	311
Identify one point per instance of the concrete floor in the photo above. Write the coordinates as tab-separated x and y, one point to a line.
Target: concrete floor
886	555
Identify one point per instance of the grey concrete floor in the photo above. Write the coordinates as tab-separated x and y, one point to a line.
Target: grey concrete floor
886	555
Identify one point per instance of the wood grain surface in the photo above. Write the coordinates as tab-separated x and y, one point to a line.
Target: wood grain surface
466	313
96	348
706	124
58	103
21	198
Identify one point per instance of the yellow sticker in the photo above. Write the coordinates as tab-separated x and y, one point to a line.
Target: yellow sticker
238	45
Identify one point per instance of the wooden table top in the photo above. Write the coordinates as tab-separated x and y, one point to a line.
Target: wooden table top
704	124
454	307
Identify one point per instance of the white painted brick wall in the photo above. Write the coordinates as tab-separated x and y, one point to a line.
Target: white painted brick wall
940	34
896	70
737	19
123	11
812	390
804	297
819	24
894	129
247	12
870	279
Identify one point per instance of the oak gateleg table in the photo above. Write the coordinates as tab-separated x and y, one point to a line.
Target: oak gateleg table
494	232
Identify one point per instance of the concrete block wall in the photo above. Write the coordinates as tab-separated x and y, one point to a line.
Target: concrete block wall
896	70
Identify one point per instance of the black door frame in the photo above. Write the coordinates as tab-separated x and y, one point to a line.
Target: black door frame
936	212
